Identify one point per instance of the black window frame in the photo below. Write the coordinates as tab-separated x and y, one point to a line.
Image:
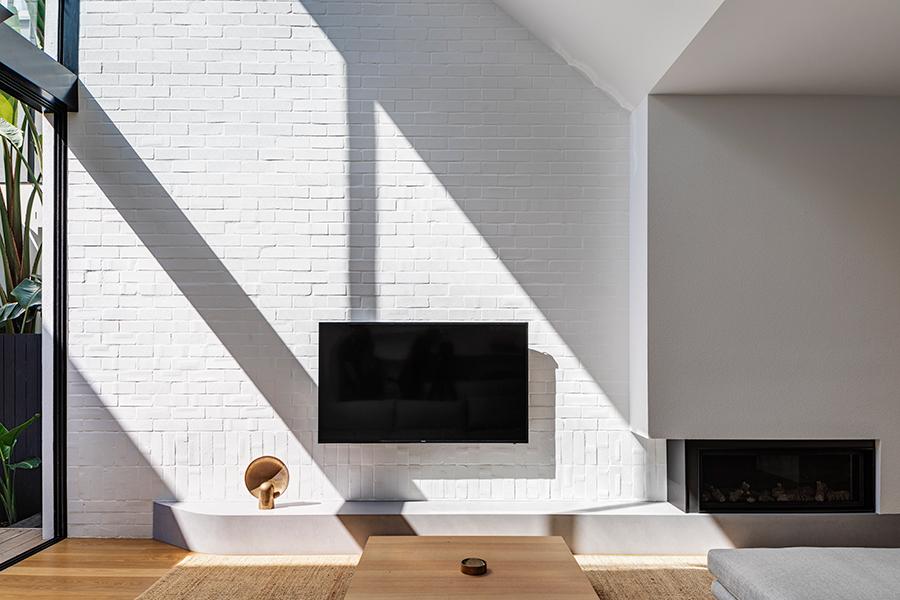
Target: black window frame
51	86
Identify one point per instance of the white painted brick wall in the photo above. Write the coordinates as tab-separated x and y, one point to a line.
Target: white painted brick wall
242	170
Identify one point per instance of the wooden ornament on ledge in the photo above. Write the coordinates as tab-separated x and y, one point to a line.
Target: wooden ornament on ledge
266	478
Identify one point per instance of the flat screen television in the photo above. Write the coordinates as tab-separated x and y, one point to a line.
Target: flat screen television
423	382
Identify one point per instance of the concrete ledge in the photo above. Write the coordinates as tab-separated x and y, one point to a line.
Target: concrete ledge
622	528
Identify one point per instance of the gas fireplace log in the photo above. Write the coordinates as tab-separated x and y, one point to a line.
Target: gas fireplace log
746	494
780	494
806	493
838	496
716	493
821	491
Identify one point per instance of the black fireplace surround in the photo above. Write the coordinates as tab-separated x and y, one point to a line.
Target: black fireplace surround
750	476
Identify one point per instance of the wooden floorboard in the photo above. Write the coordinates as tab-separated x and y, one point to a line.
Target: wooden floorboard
81	569
15	540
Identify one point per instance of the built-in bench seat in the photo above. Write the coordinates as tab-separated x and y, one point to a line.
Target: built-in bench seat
806	573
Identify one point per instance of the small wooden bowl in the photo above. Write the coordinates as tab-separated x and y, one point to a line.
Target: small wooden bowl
473	566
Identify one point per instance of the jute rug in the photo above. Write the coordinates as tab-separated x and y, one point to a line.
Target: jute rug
210	577
646	577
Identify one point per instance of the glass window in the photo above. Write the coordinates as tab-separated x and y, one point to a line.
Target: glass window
28	18
32	330
21	249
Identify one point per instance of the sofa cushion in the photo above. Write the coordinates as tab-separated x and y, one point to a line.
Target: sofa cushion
801	573
720	593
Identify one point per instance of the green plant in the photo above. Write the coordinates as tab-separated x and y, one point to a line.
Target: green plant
8	438
22	177
26	297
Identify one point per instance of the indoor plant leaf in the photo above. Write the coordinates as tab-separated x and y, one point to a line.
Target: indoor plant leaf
7	110
7	473
28	294
11	133
9	437
28	463
9	312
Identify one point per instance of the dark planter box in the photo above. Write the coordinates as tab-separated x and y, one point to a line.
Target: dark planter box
20	386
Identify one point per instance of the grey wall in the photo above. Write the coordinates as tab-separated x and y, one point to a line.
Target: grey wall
774	270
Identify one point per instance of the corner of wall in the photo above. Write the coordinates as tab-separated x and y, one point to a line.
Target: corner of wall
637	272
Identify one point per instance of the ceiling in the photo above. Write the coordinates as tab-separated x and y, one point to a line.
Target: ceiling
631	48
622	46
796	47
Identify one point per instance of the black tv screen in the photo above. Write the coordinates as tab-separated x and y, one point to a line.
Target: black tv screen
423	382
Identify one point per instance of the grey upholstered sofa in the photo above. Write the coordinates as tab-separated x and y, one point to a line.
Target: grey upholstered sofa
806	573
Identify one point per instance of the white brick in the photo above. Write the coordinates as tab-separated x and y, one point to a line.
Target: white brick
488	181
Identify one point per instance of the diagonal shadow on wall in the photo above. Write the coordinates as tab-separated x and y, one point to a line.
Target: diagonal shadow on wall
146	206
143	202
533	154
539	232
206	283
181	251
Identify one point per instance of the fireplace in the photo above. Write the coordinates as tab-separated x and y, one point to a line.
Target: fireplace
717	476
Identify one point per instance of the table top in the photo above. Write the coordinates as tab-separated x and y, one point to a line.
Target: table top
427	567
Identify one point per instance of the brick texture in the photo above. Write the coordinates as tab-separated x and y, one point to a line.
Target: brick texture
242	170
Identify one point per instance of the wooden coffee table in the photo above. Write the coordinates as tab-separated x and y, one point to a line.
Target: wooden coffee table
427	567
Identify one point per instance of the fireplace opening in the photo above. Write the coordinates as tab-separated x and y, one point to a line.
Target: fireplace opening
772	476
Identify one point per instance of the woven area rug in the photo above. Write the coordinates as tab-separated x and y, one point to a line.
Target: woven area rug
210	577
645	577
